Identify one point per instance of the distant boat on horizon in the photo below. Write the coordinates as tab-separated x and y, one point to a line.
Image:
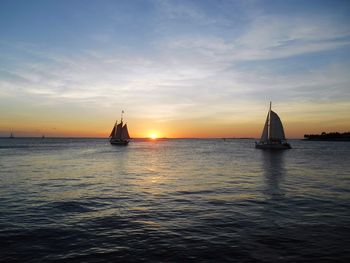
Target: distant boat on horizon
273	134
11	136
120	134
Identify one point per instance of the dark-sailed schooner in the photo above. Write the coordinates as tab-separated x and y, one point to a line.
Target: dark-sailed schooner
119	134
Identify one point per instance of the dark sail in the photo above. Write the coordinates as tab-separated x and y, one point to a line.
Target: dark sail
265	133
112	132
118	133
125	134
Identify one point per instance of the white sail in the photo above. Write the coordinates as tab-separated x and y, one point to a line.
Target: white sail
276	127
125	134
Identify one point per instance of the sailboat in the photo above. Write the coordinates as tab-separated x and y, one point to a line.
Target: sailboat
273	134
11	136
119	134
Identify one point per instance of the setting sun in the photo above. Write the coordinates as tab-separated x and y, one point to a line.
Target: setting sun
153	136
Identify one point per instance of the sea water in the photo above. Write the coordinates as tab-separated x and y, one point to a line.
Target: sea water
176	200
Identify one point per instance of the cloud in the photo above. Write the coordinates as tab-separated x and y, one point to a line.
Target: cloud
197	74
187	11
271	37
174	81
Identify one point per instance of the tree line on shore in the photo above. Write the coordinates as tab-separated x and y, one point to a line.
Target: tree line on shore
328	136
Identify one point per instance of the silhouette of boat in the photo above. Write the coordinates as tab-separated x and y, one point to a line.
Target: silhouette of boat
120	134
273	134
11	136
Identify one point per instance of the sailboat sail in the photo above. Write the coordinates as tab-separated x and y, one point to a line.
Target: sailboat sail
118	132
125	134
265	133
112	132
276	127
273	133
273	128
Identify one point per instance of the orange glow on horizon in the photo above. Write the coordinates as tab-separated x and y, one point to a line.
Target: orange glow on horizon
296	123
253	129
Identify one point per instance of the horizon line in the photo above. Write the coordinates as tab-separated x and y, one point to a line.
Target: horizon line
139	138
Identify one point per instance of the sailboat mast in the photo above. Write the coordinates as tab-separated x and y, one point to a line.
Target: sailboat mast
269	124
121	117
121	125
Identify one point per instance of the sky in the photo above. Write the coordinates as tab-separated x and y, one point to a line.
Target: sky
202	68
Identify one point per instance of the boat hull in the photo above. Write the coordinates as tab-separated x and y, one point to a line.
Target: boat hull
273	146
119	142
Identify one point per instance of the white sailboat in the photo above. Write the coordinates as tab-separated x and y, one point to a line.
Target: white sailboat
273	134
120	134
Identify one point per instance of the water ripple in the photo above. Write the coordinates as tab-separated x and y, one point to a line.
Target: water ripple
82	200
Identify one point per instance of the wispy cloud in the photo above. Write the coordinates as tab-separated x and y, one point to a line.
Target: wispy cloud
187	11
201	70
270	37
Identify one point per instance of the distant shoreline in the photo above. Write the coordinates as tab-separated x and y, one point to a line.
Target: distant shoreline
328	140
332	136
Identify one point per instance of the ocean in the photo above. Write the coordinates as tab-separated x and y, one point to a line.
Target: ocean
173	200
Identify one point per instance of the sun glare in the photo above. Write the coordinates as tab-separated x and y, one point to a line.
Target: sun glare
153	136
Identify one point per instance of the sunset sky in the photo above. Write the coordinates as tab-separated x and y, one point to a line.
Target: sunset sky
177	68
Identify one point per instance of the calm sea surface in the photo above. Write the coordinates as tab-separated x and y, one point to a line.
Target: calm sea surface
84	200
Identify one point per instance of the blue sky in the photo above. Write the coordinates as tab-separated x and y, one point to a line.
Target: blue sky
71	63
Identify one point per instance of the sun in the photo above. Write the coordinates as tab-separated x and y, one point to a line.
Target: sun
153	136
